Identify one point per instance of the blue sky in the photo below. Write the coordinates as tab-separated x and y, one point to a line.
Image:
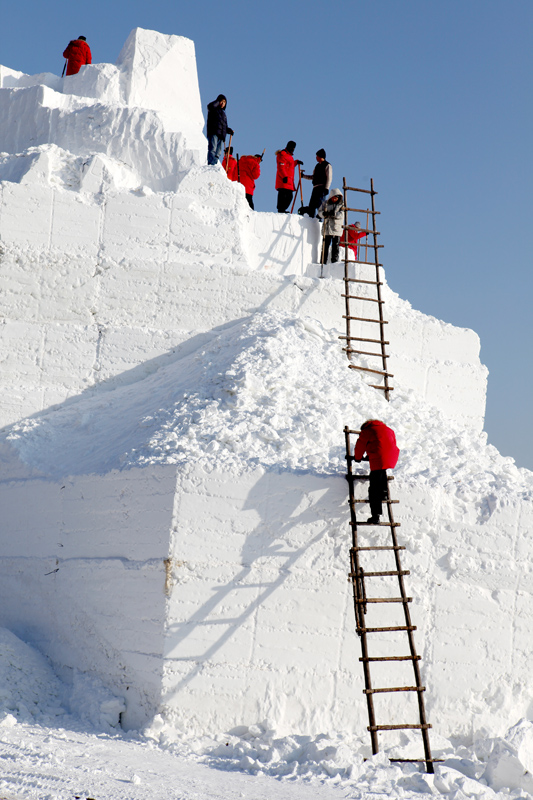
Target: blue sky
430	98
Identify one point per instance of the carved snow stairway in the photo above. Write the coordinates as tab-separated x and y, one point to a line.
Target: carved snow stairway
362	329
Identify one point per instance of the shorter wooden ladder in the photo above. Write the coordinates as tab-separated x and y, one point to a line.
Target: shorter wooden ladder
359	577
372	300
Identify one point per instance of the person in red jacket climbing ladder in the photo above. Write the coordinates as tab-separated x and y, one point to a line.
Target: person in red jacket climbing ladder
379	442
249	171
78	53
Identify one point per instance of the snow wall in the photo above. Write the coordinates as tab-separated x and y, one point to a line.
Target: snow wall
171	465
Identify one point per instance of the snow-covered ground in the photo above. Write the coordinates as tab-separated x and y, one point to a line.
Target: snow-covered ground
61	742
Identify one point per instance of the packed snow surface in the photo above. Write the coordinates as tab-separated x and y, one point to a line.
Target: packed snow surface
50	751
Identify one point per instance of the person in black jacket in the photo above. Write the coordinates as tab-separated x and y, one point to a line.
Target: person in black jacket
321	178
217	128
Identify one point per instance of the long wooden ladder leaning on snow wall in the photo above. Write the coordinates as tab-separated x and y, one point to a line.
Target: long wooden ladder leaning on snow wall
372	614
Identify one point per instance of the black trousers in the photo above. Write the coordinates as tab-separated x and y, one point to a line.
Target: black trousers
250	199
317	196
334	242
377	491
284	199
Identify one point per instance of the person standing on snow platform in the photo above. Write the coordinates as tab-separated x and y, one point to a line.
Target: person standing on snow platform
350	237
217	128
285	176
249	171
321	177
332	212
379	442
78	54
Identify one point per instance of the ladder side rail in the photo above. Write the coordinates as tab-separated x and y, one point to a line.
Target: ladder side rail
359	593
346	269
378	287
411	640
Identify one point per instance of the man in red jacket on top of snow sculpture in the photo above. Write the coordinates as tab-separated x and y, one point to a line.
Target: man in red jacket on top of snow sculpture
248	172
78	53
379	442
285	176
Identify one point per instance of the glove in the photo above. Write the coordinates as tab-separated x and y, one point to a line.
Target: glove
285	180
299	162
230	131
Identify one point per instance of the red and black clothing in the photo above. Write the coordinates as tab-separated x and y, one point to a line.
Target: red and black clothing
354	234
379	442
77	53
231	171
249	171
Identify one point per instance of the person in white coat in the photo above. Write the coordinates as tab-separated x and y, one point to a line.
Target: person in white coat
332	212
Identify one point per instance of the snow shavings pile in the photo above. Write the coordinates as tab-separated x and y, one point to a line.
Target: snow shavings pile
31	692
273	391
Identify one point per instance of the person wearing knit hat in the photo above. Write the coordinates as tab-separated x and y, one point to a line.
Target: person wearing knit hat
286	165
321	177
78	54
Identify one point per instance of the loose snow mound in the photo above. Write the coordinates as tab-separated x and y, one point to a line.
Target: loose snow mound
31	691
273	391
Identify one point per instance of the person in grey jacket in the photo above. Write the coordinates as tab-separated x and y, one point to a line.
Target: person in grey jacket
332	212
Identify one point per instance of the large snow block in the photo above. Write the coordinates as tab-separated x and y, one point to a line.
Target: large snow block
83	576
159	72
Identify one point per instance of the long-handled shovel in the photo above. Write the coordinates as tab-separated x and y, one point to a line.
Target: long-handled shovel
323	249
228	152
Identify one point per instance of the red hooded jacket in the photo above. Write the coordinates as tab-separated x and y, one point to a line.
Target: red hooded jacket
249	171
379	442
286	165
353	237
78	54
232	169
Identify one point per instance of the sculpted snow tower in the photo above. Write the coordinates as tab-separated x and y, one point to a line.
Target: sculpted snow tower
171	462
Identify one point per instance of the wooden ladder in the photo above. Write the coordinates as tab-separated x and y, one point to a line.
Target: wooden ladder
365	603
351	279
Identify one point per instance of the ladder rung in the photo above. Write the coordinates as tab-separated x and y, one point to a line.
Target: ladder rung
360	280
375	371
389	630
366	299
363	353
423	727
419	760
360	339
383	388
385	600
366	230
364	319
381	547
365	477
390	658
366	501
378	574
396	689
362	210
381	524
365	191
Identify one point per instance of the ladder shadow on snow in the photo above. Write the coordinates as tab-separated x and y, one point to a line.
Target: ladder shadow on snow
268	554
284	259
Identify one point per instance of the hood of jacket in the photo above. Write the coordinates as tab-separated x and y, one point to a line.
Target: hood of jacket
336	193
